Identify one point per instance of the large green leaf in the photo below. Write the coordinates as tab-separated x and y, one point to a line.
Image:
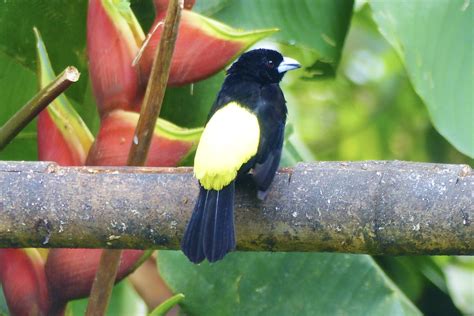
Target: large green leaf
17	85
284	284
62	24
317	25
434	40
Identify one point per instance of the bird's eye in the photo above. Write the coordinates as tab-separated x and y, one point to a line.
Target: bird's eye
270	64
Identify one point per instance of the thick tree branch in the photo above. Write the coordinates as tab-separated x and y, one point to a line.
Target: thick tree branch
393	208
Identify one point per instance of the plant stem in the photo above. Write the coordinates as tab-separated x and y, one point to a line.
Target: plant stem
155	91
101	291
38	103
156	86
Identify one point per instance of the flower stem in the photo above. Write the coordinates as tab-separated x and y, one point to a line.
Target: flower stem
156	87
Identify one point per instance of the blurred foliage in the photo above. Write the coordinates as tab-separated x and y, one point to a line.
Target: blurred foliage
437	58
17	85
370	111
17	39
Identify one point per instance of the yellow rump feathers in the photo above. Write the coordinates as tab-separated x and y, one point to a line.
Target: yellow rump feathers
229	140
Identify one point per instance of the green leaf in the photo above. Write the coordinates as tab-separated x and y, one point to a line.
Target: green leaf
284	284
318	25
405	272
439	59
124	301
459	274
17	86
294	150
63	25
188	106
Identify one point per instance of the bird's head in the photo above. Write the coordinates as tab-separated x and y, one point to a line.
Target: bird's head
262	65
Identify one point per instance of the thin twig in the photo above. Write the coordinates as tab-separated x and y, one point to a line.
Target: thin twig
101	291
110	259
156	86
39	102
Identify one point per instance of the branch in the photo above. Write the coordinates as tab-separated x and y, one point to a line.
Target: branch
156	87
391	208
39	102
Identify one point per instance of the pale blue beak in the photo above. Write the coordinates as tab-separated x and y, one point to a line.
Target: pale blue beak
288	64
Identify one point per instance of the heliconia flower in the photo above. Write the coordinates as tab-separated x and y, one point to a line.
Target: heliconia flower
63	136
23	280
170	144
113	40
70	272
203	47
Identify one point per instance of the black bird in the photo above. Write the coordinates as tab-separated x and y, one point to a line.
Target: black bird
244	133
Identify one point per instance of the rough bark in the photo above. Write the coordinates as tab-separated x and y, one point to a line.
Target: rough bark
374	207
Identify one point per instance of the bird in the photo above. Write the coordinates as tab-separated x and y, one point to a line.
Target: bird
243	135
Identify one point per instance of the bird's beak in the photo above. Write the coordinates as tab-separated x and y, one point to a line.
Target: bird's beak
288	64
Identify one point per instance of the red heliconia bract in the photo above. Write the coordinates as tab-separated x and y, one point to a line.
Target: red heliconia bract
113	40
169	146
203	47
63	136
51	143
24	283
70	272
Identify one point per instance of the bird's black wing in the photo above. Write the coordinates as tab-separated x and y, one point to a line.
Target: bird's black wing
272	117
264	171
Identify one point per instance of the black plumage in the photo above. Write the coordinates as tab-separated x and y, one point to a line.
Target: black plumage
252	82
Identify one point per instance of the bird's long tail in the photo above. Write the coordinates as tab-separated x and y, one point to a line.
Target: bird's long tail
210	231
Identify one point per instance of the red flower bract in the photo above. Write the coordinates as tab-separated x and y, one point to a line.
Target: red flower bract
24	283
169	146
51	143
203	47
112	44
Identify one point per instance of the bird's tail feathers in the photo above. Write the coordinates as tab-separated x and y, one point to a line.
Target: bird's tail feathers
210	231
